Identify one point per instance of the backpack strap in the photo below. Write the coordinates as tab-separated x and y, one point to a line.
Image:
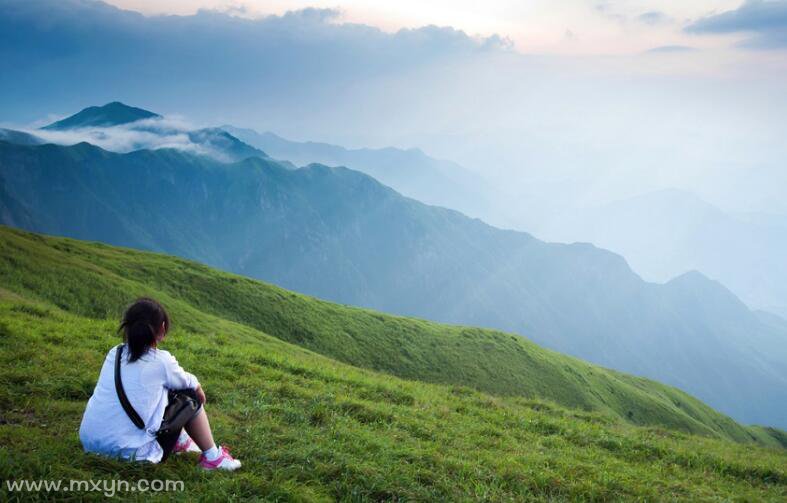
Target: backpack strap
130	412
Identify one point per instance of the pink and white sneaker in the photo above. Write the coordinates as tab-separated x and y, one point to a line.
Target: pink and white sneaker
185	445
225	461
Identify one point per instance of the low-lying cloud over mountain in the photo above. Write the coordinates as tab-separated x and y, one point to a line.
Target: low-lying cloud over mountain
147	133
120	128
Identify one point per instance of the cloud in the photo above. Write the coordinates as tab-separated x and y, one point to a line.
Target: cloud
615	12
654	17
155	133
671	49
609	10
764	20
67	54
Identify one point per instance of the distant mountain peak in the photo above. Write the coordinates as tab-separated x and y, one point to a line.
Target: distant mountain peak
692	276
111	114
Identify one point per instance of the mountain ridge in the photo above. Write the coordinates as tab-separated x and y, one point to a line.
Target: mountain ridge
410	172
686	232
664	233
338	234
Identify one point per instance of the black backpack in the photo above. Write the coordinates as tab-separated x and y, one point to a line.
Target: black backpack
181	408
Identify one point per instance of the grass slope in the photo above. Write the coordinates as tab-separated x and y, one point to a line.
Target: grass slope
97	281
309	427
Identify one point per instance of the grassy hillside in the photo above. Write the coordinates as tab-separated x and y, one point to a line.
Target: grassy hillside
97	281
309	428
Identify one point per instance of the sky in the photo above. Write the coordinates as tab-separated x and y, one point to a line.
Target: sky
541	26
572	102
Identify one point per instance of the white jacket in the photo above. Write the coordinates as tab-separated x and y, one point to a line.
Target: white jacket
106	428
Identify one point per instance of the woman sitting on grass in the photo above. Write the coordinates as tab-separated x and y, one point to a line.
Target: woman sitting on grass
149	379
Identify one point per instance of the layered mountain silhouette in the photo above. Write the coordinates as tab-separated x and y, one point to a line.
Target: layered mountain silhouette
666	232
341	235
410	172
662	234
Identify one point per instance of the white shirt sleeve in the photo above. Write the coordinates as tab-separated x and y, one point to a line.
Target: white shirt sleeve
174	375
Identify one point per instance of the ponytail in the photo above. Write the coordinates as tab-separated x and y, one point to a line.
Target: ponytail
140	325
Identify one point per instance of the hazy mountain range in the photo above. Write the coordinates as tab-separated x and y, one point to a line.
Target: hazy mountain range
341	235
410	172
661	234
665	233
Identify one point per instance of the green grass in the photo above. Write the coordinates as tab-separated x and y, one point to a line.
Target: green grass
311	428
97	281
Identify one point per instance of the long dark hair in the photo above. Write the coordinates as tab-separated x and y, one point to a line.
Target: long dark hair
140	325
